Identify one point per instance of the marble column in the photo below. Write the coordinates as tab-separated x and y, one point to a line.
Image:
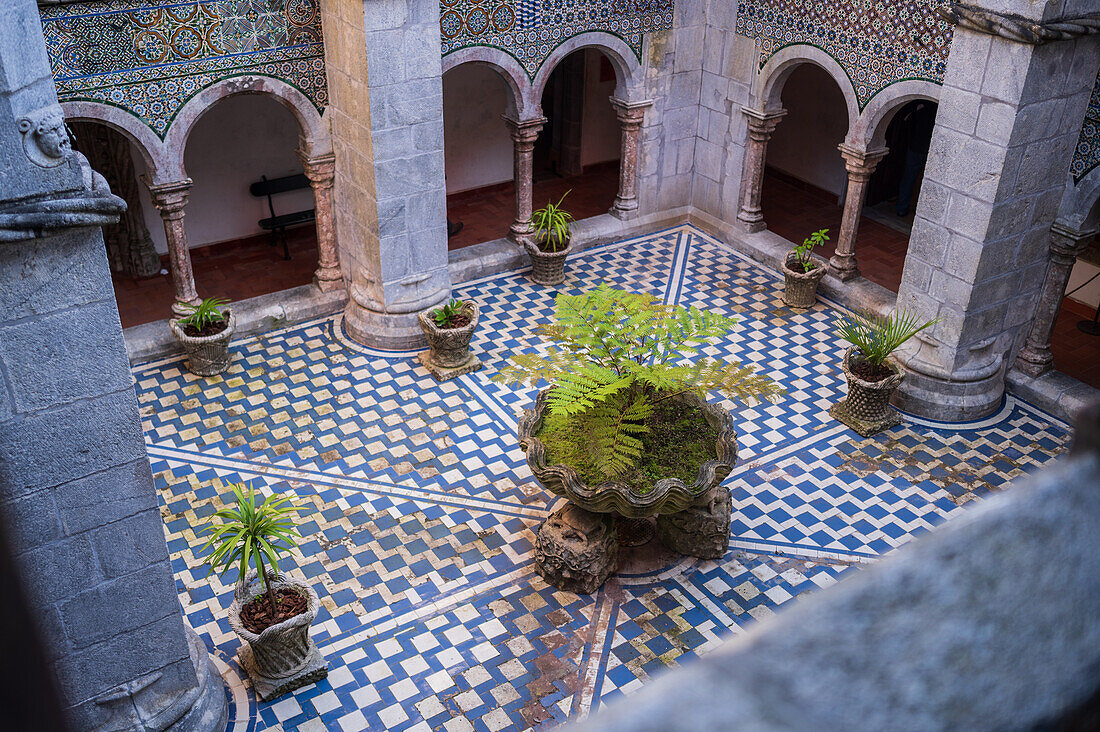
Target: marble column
524	134
321	172
861	165
631	116
761	127
170	199
1066	244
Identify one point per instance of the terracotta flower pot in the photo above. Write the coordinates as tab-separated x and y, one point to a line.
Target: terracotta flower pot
282	657
867	408
800	287
547	268
450	347
206	355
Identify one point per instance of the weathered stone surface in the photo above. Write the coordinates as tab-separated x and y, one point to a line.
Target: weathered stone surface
700	531
576	550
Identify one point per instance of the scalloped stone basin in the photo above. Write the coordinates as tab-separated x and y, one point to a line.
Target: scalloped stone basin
668	496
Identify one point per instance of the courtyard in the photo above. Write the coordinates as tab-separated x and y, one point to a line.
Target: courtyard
421	510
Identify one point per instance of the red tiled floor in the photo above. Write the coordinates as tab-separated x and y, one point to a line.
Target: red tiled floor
486	213
235	270
1076	354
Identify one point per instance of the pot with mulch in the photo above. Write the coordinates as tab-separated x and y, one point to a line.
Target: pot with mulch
277	653
867	408
449	355
547	267
800	286
207	348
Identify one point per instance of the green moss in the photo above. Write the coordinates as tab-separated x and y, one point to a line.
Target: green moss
679	441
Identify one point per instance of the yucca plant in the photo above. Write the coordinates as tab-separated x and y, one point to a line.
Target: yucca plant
553	223
876	338
803	251
618	354
208	312
252	534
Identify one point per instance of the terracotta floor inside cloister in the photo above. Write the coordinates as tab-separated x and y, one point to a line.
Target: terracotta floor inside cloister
420	509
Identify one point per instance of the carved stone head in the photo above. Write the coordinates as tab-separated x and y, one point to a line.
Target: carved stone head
45	138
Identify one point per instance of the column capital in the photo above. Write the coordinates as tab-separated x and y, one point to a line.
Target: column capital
860	162
630	112
524	130
320	169
762	123
1069	242
170	198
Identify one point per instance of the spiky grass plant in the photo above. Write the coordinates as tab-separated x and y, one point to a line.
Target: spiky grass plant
878	337
208	312
250	533
553	223
617	355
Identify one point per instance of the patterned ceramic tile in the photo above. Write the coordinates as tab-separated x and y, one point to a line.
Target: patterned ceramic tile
421	510
1087	154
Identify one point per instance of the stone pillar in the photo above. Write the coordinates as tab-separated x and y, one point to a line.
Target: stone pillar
78	508
631	116
1035	359
524	134
761	127
569	121
861	165
170	199
321	172
1018	79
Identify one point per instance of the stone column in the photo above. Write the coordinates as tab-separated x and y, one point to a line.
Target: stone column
1018	80
524	134
569	121
78	508
631	116
170	199
1035	358
321	172
761	127
860	165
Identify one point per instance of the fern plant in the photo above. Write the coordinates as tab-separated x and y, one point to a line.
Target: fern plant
552	225
617	355
878	337
803	251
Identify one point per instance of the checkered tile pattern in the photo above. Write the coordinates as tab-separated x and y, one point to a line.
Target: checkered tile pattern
421	510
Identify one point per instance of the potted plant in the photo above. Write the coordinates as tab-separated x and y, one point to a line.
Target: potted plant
449	329
803	272
204	334
625	428
872	375
550	247
271	611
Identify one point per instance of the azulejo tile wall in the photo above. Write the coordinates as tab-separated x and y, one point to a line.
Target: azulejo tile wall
1087	155
876	42
150	58
530	29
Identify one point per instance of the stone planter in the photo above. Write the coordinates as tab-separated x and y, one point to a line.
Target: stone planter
283	657
800	288
450	347
867	408
547	268
206	355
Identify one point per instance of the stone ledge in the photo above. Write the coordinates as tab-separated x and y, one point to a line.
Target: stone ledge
1062	396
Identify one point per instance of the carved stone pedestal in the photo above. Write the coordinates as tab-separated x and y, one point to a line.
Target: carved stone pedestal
701	531
576	550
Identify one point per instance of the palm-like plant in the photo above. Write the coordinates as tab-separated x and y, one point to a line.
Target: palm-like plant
878	337
207	312
553	222
252	534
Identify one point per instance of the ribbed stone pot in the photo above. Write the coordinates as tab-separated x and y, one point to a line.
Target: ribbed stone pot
206	355
449	355
800	288
669	495
547	268
867	408
283	657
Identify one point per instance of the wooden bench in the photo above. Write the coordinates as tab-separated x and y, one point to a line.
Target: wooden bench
278	225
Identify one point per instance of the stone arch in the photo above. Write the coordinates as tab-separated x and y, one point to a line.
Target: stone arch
521	102
1080	206
159	163
628	72
314	136
779	67
869	131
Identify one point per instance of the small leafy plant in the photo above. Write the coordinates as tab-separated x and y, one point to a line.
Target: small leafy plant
552	222
446	316
206	314
803	251
878	337
619	354
252	534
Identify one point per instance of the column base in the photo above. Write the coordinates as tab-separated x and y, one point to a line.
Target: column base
1034	363
328	280
209	710
624	210
944	400
399	328
751	225
180	308
843	268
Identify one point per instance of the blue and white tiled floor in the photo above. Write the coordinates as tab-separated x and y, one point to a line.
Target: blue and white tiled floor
421	510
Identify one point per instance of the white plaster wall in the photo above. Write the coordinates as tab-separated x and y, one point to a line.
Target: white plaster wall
1089	295
476	143
600	140
804	144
